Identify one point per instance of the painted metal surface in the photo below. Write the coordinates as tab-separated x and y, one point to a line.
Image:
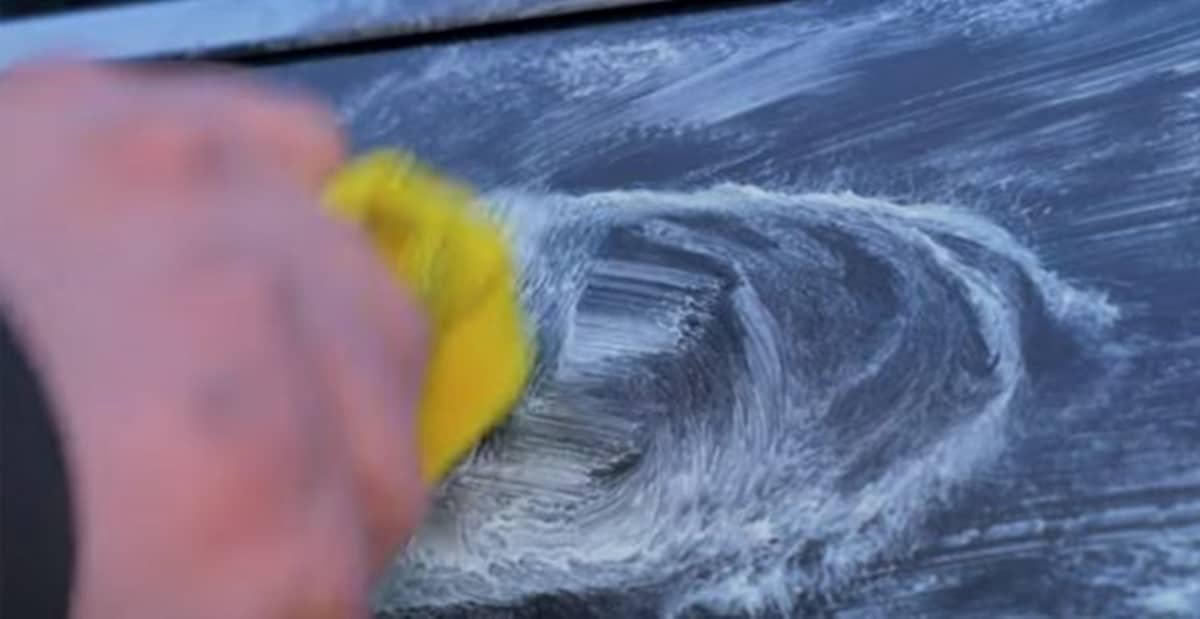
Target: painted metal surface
855	309
188	28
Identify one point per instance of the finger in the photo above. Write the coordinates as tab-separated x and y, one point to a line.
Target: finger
370	345
375	346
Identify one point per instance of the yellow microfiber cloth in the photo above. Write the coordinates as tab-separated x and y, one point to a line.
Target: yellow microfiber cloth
437	242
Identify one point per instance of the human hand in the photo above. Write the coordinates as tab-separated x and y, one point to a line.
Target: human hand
233	371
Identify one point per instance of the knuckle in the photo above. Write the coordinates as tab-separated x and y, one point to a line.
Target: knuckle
254	290
262	469
253	392
271	428
240	300
169	148
270	457
306	132
309	115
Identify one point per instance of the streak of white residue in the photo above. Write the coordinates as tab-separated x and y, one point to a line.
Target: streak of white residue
1158	198
368	98
369	107
593	338
1179	599
1176	593
763	71
702	79
1187	67
1139	210
997	17
1065	86
803	57
1163	51
587	70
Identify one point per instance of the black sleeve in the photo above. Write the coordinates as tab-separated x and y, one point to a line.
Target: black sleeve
37	542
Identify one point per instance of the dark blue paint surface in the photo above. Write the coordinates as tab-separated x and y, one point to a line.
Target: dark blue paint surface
1074	125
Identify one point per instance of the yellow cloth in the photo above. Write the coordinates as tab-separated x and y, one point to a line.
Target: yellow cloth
458	265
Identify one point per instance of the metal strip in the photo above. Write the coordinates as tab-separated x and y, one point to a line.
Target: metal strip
189	28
